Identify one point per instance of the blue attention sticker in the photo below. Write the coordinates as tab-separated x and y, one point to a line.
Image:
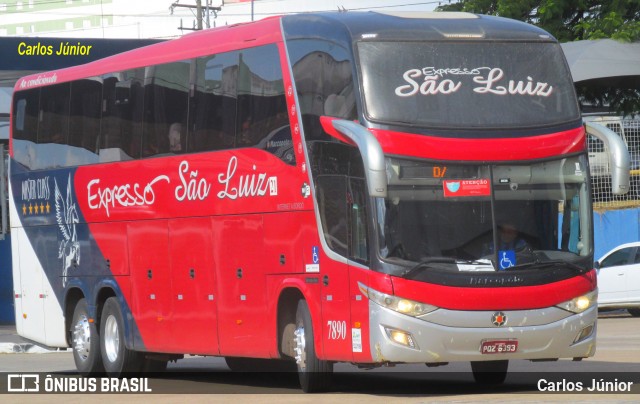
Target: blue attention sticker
315	254
507	258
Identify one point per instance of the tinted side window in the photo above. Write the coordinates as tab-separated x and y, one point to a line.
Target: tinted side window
336	158
25	126
165	111
358	239
620	257
54	114
26	107
212	106
84	125
331	192
342	206
262	107
323	74
123	100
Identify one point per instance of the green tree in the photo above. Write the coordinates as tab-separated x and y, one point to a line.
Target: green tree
567	20
573	20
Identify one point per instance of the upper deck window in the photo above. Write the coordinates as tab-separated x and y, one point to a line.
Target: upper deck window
464	85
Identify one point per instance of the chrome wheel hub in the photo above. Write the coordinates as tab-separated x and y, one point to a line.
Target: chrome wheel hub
111	338
82	337
301	355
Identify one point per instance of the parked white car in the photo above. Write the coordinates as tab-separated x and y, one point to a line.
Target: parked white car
619	278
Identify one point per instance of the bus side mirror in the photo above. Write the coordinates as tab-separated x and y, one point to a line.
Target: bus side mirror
371	151
618	156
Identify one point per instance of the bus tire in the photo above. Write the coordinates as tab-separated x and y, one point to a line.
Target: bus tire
85	341
116	357
314	374
490	372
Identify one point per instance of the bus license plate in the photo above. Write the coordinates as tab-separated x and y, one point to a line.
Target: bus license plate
499	346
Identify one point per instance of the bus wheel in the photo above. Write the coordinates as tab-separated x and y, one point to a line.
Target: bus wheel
314	374
490	372
634	312
117	358
85	341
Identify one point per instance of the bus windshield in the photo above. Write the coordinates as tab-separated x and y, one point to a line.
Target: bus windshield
452	216
463	85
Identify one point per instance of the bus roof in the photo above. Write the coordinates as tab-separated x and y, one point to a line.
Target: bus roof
341	27
433	26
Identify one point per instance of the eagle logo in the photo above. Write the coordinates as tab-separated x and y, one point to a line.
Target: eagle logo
67	218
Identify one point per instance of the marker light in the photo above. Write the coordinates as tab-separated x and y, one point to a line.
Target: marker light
580	303
404	306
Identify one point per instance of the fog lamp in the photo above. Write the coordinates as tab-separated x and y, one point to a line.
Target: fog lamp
401	337
584	334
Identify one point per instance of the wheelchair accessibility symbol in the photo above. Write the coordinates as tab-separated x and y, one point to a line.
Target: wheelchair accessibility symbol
314	254
507	259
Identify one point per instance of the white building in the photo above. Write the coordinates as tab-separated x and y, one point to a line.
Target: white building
156	18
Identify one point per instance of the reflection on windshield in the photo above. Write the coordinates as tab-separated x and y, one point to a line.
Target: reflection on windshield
430	83
484	218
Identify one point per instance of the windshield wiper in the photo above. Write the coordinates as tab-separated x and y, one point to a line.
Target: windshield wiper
551	263
426	262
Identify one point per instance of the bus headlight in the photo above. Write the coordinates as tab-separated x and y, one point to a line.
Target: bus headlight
395	303
580	303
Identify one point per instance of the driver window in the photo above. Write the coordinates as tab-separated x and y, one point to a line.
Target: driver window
331	191
358	220
343	212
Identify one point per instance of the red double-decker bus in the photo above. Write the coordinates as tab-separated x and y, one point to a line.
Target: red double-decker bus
338	187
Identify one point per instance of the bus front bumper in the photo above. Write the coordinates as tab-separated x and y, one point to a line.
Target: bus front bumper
449	335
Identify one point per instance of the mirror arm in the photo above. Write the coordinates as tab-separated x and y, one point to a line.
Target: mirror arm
372	155
618	156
